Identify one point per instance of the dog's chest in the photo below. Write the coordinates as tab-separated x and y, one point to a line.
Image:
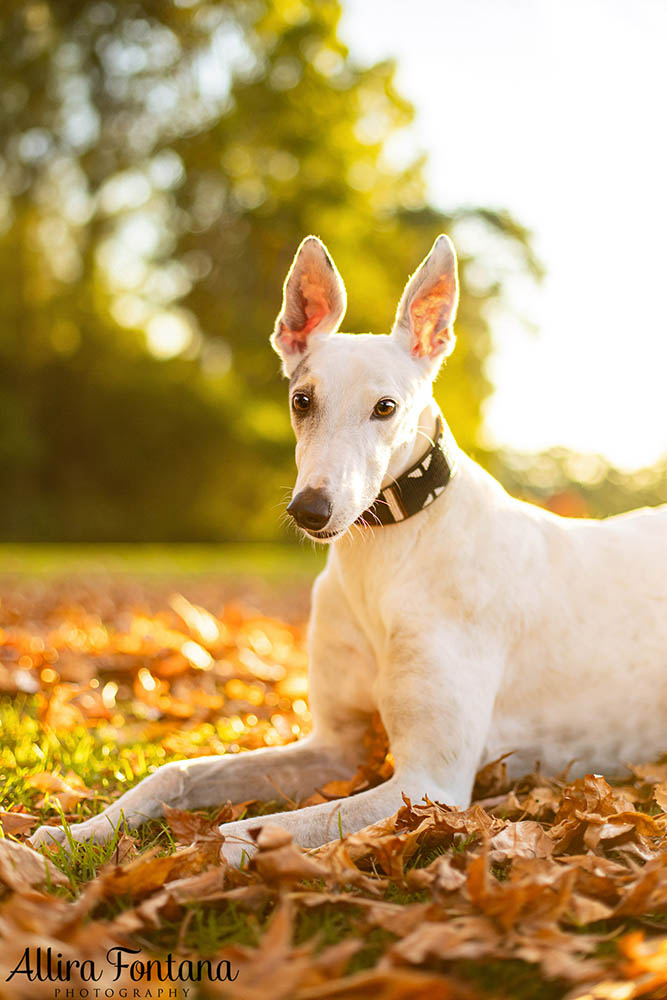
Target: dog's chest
384	591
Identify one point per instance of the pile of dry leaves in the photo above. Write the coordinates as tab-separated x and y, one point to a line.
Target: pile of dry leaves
568	878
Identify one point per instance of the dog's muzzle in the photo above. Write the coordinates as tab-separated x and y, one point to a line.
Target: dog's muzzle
311	509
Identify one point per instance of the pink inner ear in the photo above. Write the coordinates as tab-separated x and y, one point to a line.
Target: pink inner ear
316	303
315	306
430	315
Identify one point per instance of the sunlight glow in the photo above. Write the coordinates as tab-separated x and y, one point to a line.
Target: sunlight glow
554	111
197	655
168	334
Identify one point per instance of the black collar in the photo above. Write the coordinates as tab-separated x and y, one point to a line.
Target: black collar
414	489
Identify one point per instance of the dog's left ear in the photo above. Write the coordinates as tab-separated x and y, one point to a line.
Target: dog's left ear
314	302
425	315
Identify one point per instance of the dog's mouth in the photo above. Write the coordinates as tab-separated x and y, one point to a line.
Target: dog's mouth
323	536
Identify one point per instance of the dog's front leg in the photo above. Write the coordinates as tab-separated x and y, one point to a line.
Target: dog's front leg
289	772
315	825
435	695
436	692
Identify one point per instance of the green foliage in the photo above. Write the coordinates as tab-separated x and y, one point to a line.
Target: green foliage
159	164
579	485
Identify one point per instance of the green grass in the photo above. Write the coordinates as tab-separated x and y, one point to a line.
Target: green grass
101	763
425	855
511	979
211	926
94	754
237	560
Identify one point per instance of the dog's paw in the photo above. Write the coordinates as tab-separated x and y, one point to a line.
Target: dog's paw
234	855
238	847
47	835
96	830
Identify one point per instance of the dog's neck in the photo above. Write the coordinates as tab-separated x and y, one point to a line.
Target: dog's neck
426	431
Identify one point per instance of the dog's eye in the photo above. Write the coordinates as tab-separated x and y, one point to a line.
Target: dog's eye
301	402
384	408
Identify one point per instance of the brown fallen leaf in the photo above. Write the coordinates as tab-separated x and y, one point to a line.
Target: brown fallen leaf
65	790
540	803
647	892
443	876
660	795
441	823
86	941
598	877
125	850
191	827
400	919
149	872
491	779
270	836
639	824
278	861
22	868
652	773
591	810
560	955
390	984
16	824
525	839
33	912
204	887
274	969
58	708
342	870
585	910
537	888
463	937
389	848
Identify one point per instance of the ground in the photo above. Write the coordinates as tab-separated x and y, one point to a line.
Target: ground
115	661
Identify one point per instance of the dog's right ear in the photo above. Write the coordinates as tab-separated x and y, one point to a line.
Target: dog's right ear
425	316
314	302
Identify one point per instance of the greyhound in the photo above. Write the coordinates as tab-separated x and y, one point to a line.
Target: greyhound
476	624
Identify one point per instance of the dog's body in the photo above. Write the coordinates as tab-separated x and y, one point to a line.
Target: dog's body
565	659
478	626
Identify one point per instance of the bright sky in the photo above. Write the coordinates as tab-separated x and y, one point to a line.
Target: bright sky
556	110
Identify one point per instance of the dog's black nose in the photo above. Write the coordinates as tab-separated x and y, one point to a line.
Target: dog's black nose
310	509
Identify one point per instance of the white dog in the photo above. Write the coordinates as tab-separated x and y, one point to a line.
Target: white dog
475	623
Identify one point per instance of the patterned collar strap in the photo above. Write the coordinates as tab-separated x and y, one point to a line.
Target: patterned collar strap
415	489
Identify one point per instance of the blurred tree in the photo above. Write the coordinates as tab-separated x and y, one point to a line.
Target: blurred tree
578	485
160	160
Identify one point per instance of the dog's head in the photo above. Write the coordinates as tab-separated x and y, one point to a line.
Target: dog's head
356	399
